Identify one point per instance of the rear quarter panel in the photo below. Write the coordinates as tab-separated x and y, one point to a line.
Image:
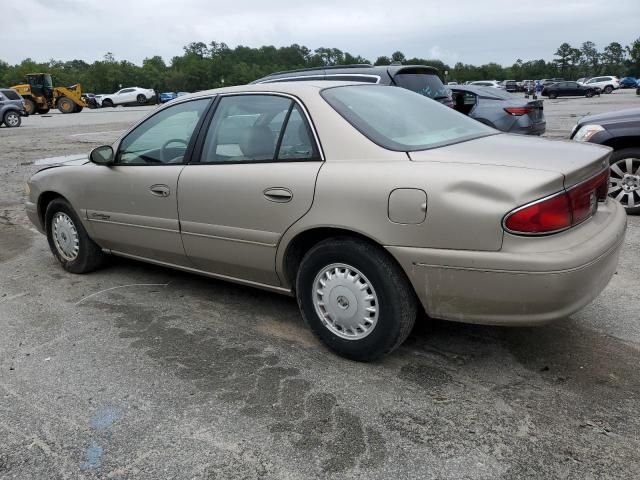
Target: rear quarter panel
465	204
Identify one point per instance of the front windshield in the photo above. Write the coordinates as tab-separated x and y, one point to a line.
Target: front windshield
400	120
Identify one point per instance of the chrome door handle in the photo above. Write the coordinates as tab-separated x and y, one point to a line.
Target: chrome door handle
278	194
160	190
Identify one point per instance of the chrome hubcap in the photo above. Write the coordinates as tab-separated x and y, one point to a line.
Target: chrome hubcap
65	236
624	184
345	301
12	119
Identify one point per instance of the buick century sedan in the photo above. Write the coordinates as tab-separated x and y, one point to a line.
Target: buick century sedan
365	202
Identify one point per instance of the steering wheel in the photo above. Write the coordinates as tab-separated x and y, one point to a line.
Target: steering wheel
163	150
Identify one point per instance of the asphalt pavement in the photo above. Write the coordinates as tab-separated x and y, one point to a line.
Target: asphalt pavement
137	371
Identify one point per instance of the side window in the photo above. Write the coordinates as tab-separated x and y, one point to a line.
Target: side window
251	128
296	141
164	137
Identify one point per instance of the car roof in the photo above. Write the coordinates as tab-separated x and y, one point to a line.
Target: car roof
291	88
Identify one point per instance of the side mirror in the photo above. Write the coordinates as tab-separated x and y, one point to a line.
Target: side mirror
102	155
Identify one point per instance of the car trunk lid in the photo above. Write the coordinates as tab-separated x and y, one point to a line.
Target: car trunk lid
515	151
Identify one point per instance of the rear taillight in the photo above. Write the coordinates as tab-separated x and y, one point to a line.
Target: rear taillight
560	211
518	111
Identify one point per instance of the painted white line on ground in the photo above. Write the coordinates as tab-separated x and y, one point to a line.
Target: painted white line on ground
96	133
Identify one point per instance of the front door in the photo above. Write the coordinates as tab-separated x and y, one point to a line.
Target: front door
132	205
255	176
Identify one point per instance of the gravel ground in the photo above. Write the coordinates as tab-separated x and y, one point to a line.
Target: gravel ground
137	371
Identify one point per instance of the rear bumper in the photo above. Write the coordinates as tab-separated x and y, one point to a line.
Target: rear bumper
529	281
524	127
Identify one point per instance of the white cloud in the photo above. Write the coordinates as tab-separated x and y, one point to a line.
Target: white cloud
465	30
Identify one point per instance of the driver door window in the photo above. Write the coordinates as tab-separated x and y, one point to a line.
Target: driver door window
163	138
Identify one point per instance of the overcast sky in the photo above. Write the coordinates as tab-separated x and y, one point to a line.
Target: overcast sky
468	31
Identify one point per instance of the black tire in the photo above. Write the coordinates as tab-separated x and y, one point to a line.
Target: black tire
396	303
30	106
43	111
89	255
553	95
141	99
66	105
608	89
589	94
106	103
12	119
616	156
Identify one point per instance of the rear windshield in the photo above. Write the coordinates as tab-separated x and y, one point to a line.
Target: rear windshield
426	84
400	120
499	93
10	94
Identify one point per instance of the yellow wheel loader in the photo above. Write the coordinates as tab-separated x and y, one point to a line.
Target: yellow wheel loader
40	95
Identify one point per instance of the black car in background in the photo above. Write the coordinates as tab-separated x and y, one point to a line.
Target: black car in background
621	131
418	78
511	86
569	89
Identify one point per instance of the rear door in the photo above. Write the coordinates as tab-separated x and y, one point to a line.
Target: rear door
254	177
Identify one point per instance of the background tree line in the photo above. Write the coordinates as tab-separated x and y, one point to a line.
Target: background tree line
203	66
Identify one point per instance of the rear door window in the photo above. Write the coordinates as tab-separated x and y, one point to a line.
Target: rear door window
258	128
427	84
11	95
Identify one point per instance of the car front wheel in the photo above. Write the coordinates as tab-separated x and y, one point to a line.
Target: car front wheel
12	119
69	241
141	99
608	89
355	298
553	95
624	183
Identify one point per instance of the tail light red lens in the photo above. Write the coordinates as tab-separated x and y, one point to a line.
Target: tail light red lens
560	211
518	111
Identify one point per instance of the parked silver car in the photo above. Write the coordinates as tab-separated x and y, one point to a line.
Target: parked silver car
364	201
500	109
11	108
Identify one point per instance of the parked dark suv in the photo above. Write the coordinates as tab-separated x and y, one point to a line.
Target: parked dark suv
418	78
11	108
621	131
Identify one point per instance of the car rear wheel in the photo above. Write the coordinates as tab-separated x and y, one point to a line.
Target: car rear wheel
69	241
12	119
141	99
589	94
624	184
608	89
553	95
355	298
